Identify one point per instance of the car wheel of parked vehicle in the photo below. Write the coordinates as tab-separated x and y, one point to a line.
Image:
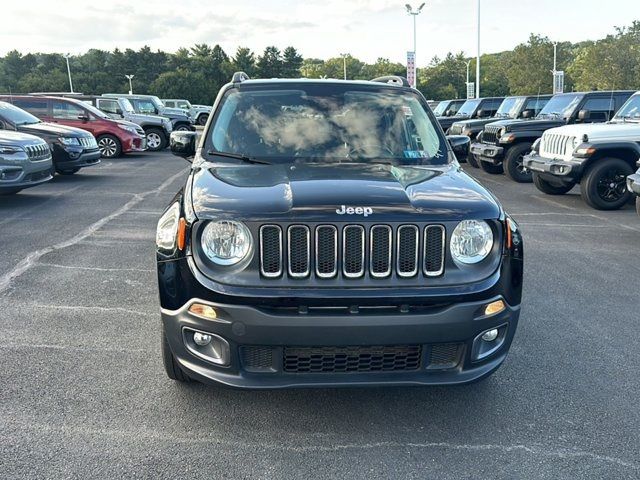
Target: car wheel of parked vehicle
514	163
548	188
472	160
202	119
156	139
174	372
10	191
71	171
604	186
182	128
110	146
491	168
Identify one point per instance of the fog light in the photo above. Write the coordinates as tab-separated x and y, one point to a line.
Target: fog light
204	311
494	307
488	336
203	339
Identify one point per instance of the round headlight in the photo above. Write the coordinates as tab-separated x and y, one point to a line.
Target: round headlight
471	241
226	242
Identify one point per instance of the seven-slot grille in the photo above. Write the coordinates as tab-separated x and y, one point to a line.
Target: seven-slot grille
38	152
490	134
555	144
88	142
351	251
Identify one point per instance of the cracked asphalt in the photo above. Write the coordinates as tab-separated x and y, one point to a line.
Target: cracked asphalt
83	393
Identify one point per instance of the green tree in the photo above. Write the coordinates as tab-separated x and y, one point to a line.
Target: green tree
270	63
244	61
291	63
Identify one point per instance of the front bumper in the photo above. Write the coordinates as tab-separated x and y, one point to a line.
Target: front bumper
71	157
566	170
134	144
24	175
633	183
487	152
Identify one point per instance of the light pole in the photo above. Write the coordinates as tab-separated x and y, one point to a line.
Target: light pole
344	64
414	14
69	72
478	57
129	77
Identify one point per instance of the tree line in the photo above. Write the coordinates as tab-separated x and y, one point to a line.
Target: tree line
197	73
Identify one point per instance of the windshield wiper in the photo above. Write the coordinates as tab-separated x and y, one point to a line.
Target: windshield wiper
238	156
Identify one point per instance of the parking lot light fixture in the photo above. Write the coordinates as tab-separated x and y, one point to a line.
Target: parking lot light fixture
414	14
69	73
130	77
344	64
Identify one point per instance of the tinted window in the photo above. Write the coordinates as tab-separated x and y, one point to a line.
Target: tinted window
169	103
34	106
630	110
601	104
509	107
327	123
468	107
561	106
144	106
66	110
16	115
109	106
536	104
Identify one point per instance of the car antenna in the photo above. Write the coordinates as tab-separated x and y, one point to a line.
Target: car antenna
612	110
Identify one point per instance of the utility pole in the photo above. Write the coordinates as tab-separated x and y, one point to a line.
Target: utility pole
69	72
414	14
344	64
478	57
130	77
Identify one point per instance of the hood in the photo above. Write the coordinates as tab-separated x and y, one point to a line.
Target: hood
478	123
601	131
53	129
127	123
144	118
174	112
316	191
514	125
18	138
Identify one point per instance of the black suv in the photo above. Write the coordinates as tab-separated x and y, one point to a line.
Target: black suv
472	108
327	236
448	108
511	107
502	145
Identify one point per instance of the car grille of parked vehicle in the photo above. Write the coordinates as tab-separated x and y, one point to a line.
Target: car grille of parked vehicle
39	152
554	144
490	134
327	251
88	142
455	130
350	359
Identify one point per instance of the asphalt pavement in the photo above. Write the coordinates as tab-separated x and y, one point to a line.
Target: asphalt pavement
83	393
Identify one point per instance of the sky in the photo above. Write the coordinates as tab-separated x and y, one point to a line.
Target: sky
366	29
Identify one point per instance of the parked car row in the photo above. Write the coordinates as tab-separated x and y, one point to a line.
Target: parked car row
557	142
77	130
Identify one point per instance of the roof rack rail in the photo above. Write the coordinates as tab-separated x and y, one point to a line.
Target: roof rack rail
393	80
239	77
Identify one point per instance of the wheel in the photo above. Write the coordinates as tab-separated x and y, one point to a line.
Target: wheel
491	168
550	189
182	128
110	146
10	191
71	171
156	139
513	163
472	160
604	187
638	205
202	119
174	372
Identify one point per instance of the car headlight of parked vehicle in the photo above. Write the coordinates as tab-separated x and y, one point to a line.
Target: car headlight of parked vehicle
10	149
167	230
69	140
471	241
226	242
129	128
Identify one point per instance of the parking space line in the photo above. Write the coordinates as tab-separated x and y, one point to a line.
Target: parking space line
85	308
96	269
552	202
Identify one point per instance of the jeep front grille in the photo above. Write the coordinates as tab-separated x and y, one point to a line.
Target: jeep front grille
38	152
554	144
490	134
88	142
352	251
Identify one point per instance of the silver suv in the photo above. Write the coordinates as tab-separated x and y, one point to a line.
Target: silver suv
199	113
25	161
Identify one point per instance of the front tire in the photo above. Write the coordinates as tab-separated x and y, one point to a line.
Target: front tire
110	146
182	128
514	163
471	160
604	187
491	168
548	188
171	367
71	171
156	139
202	119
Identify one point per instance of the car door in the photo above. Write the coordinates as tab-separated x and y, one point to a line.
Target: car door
69	114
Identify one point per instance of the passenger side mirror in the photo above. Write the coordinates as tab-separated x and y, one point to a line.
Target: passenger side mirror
119	112
459	145
584	115
528	113
483	113
450	113
183	144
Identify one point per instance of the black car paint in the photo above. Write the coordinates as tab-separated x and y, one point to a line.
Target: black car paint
313	193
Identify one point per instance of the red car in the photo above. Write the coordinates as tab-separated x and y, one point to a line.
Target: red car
114	137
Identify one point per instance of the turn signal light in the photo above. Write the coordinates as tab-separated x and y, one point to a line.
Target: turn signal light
204	311
494	307
182	233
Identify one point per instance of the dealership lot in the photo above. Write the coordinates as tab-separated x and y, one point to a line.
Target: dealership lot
83	393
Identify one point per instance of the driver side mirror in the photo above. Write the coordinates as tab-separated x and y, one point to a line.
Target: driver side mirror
527	113
119	112
584	115
84	117
183	144
460	145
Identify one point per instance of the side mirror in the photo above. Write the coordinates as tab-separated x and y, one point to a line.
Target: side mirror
84	117
584	115
183	144
119	112
482	113
527	113
460	145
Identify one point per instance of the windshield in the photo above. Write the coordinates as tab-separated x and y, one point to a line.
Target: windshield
468	107
95	111
144	106
510	107
441	107
560	106
126	105
183	104
630	110
16	115
332	123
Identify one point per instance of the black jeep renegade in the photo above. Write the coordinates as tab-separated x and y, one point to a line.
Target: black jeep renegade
327	236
